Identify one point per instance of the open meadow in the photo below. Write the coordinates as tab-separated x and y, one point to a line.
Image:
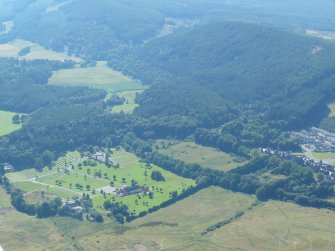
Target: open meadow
272	225
20	232
331	107
6	124
100	76
177	227
193	153
279	226
323	155
130	104
13	48
327	35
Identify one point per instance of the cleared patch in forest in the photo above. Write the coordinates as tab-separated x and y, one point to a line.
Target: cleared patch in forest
129	105
13	48
6	124
100	76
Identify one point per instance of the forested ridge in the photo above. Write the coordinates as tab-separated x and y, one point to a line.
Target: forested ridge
234	62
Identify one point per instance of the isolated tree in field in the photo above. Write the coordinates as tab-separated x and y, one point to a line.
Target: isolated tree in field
23	118
16	119
133	182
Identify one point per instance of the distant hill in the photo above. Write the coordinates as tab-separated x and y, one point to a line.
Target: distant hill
95	28
86	27
240	63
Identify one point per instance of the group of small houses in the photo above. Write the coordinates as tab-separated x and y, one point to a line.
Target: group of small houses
75	205
326	169
103	158
316	139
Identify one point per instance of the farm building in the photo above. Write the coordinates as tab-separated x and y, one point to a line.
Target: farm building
130	190
100	156
8	168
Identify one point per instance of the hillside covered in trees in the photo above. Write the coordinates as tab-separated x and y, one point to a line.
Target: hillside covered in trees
234	63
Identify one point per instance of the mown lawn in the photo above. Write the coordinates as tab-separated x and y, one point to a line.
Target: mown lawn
323	156
92	179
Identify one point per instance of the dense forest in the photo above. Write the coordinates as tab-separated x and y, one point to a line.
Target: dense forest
95	28
98	25
24	86
291	72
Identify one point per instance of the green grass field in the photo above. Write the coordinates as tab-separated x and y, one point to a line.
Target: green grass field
279	226
6	125
268	226
12	49
177	227
57	182
100	76
323	156
142	202
191	152
70	180
29	174
332	110
130	169
20	232
29	186
130	104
